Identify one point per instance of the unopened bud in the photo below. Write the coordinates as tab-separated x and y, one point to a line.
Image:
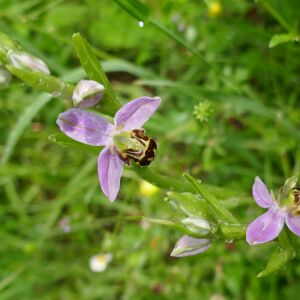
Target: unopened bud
87	93
198	225
187	246
5	77
20	60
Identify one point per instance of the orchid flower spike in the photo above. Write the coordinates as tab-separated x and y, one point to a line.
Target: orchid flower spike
124	141
285	209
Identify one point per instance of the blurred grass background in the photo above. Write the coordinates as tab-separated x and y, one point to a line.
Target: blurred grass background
235	137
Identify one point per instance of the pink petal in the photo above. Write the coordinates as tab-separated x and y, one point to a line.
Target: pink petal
85	127
261	194
266	227
136	112
187	246
110	169
293	223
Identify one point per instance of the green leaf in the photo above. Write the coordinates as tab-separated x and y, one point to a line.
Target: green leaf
219	208
279	258
64	141
189	204
283	38
88	59
135	8
43	82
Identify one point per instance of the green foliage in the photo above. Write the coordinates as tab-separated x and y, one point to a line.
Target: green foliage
283	38
136	8
93	68
278	259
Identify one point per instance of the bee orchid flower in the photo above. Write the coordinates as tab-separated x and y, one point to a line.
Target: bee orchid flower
268	226
123	141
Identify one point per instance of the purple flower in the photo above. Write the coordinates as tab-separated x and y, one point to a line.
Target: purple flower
268	226
124	141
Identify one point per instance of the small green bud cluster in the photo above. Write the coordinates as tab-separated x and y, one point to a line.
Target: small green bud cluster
203	111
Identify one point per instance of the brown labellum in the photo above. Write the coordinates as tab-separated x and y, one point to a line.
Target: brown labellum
142	157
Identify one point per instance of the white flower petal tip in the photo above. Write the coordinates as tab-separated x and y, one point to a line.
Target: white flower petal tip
98	263
22	60
87	93
188	246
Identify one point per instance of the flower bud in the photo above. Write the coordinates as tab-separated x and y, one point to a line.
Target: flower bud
87	93
188	246
198	225
20	60
5	77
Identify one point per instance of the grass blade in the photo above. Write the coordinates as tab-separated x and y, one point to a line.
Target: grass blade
89	61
